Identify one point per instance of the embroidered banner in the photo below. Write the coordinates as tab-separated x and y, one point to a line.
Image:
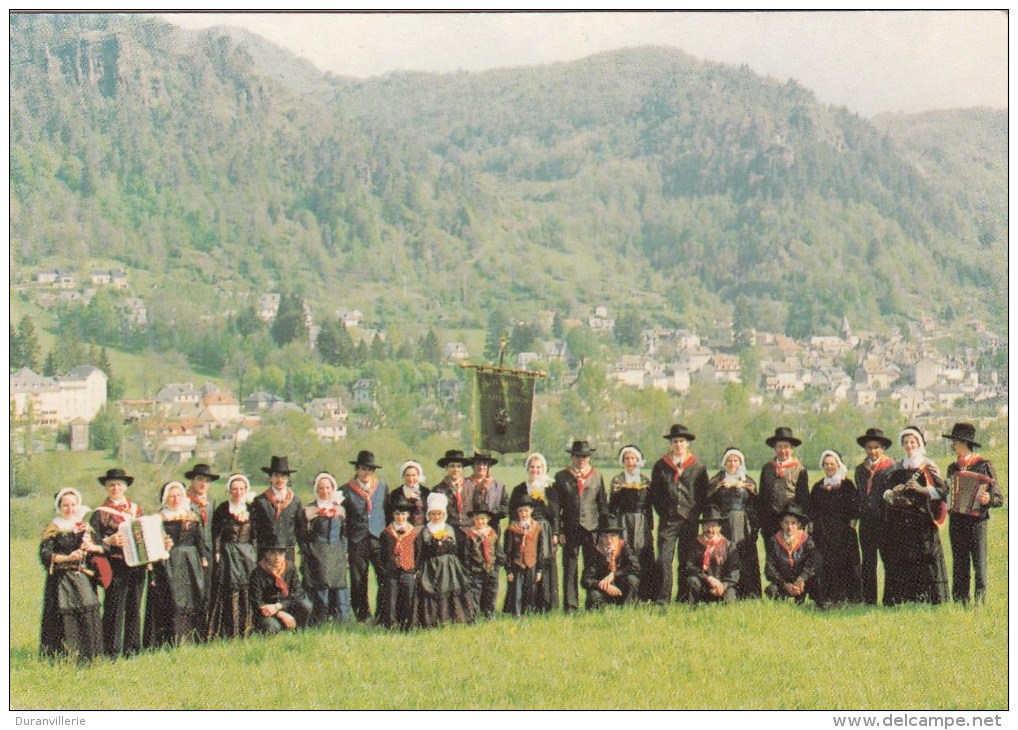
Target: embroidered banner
505	411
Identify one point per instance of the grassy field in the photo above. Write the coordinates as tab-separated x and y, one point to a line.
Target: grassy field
753	655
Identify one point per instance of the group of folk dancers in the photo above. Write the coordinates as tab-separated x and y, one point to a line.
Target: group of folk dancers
439	553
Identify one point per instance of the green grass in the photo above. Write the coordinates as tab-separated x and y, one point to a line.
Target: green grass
753	655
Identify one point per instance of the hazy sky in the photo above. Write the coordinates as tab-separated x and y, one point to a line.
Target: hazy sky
866	60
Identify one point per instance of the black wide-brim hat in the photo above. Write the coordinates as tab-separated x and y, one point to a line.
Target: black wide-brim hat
279	465
481	456
679	431
783	433
581	448
201	470
524	500
454	456
712	514
367	459
402	504
874	434
963	432
796	511
610	523
482	511
112	474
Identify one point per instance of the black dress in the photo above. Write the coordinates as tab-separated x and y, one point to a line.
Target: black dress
633	505
444	593
71	622
175	609
832	512
234	559
914	567
740	524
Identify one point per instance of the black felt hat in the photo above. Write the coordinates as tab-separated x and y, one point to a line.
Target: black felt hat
678	431
112	474
455	456
783	433
963	432
874	434
279	465
581	448
367	459
201	470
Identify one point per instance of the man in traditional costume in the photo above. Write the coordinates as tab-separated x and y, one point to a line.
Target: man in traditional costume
123	596
968	531
582	502
678	486
364	500
869	479
277	514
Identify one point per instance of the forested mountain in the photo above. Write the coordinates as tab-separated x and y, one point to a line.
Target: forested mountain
641	179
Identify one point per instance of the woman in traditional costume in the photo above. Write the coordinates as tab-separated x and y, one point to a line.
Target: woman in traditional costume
175	610
324	564
545	511
833	506
629	499
915	507
444	593
234	556
413	491
733	493
71	621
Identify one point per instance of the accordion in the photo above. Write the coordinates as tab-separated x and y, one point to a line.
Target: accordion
966	488
143	540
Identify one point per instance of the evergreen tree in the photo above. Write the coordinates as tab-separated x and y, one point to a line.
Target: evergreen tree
431	349
114	385
523	338
628	328
334	344
26	352
50	367
289	323
498	325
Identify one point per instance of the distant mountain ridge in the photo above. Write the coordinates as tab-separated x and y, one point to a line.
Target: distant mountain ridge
641	178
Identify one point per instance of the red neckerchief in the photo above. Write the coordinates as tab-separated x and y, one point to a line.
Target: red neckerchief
581	479
279	578
971	460
484	484
487	542
457	493
678	470
403	550
611	555
885	462
126	508
202	502
716	549
799	540
780	467
366	496
278	504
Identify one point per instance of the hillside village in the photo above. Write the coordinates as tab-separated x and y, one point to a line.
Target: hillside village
182	421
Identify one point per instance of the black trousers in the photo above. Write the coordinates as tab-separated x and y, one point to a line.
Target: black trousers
362	554
522	593
300	610
968	546
630	587
122	610
680	534
396	600
871	542
699	592
484	588
578	541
